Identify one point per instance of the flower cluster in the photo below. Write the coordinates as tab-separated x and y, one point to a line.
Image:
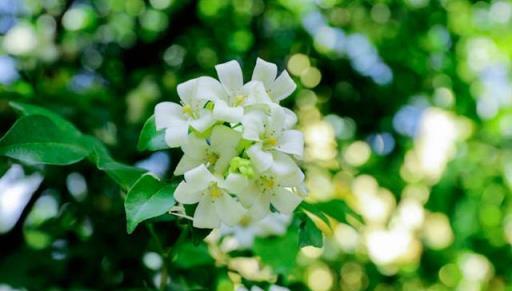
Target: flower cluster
239	148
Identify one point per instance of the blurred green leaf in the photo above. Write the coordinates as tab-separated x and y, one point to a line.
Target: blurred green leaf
278	252
309	234
150	138
148	198
313	209
338	210
190	255
36	139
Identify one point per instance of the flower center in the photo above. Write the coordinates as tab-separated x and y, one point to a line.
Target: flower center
266	183
239	100
215	191
269	93
269	142
212	157
187	110
245	221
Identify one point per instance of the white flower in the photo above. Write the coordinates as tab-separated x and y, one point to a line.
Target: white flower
274	186
236	96
239	147
270	134
215	153
215	204
249	228
176	118
278	89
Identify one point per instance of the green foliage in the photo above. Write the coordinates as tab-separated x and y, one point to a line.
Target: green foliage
309	234
189	255
83	62
146	199
42	137
150	139
36	139
313	209
279	252
122	174
339	210
65	126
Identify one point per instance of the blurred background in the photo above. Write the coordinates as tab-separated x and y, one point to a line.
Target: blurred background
406	108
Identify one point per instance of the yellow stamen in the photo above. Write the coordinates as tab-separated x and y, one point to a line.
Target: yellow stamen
245	220
187	110
267	183
215	191
269	142
212	158
239	100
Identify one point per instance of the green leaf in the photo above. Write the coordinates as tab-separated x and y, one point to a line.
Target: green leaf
27	109
338	210
309	234
148	198
36	139
122	174
313	209
189	255
150	138
278	252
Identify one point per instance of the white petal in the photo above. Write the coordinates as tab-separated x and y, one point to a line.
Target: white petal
290	119
187	163
204	121
291	142
210	89
224	112
241	186
222	163
283	86
277	120
260	159
224	138
168	113
253	122
186	193
187	91
283	164
235	183
199	177
286	171
176	134
230	75
285	200
265	72
292	179
260	207
256	94
206	215
229	210
195	147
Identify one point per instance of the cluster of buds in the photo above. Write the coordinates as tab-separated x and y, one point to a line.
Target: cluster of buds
240	150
